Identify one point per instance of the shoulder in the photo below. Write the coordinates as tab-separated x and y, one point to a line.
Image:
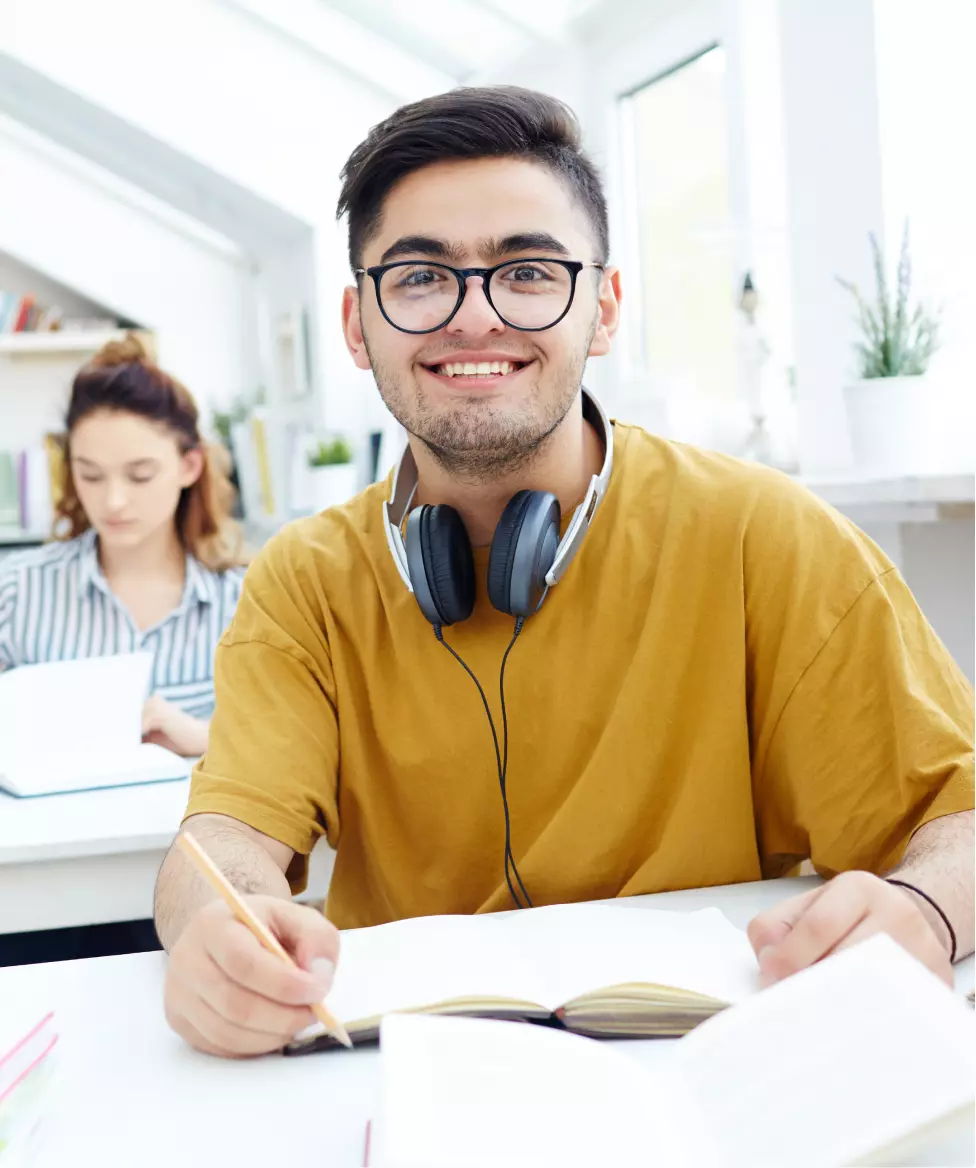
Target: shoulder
56	555
292	576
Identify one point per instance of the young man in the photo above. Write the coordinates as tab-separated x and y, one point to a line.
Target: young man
726	679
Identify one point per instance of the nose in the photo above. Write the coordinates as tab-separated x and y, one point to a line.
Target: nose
117	497
476	315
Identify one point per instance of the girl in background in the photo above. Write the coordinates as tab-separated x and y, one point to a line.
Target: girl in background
146	556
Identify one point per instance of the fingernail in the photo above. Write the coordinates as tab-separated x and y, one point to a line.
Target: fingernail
764	955
323	970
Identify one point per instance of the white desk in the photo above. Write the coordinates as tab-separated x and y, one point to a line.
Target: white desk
133	1094
92	857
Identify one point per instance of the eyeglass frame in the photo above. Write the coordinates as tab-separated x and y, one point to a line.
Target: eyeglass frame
574	267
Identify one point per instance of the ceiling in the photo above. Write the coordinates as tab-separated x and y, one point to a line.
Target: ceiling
411	48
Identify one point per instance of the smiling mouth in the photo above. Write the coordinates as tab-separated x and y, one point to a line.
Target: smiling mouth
476	370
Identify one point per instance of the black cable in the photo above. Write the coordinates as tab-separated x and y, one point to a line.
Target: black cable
502	767
509	858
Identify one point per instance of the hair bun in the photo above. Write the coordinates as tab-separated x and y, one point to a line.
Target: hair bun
130	350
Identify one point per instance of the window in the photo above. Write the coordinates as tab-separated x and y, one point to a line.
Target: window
678	126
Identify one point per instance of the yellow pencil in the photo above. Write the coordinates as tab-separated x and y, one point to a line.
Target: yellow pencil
239	907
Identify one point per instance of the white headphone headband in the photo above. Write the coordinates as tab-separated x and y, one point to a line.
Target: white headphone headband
404	487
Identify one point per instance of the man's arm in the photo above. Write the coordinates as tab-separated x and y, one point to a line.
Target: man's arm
224	993
939	860
253	862
855	905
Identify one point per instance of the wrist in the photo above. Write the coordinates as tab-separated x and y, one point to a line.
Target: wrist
934	917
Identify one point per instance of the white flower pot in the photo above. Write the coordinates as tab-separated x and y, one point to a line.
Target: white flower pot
909	425
331	485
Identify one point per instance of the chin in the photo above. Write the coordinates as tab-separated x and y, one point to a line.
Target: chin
122	536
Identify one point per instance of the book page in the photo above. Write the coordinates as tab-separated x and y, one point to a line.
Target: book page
427	960
838	1060
459	1092
587	947
96	704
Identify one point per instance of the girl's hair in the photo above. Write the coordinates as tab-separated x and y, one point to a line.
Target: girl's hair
124	377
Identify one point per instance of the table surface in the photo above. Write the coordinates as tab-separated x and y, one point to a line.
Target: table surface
132	1093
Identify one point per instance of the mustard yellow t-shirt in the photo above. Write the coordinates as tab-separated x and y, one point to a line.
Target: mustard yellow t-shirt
729	679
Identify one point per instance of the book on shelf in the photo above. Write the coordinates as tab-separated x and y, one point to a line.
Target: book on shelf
609	970
30	484
864	1058
24	313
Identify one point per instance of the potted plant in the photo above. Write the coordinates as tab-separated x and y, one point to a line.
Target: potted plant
332	473
891	414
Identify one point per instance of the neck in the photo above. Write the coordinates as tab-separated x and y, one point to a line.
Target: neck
160	555
563	465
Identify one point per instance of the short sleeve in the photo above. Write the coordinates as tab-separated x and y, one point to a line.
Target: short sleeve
8	605
875	740
272	757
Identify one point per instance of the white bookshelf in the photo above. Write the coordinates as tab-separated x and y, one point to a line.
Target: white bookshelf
46	344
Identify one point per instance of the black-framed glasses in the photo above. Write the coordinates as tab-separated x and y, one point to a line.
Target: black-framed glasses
529	294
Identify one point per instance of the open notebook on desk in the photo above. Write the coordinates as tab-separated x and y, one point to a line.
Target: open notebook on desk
77	725
865	1058
596	969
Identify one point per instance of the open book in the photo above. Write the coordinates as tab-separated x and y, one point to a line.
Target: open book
595	969
77	725
865	1058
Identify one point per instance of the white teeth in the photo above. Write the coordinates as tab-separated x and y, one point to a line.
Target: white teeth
475	369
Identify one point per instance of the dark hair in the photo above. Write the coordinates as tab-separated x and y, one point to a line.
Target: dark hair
122	376
502	121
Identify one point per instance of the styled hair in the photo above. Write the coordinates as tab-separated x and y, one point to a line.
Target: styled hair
123	377
502	121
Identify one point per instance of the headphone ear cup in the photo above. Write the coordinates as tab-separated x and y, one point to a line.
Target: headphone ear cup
523	549
441	564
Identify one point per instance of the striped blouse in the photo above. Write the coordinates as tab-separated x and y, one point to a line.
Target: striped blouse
56	605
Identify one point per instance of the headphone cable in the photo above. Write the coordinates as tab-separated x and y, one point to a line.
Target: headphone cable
502	765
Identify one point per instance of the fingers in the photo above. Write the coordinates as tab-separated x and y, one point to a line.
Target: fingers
770	928
244	961
820	929
310	938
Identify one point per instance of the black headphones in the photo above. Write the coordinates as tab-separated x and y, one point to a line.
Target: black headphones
527	556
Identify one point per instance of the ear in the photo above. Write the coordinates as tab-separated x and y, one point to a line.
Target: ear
192	467
609	313
352	327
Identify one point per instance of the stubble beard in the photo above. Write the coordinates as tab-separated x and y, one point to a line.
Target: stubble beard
475	440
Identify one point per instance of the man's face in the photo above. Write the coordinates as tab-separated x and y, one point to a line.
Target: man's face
478	214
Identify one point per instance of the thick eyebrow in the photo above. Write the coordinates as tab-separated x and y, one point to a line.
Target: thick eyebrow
490	249
426	245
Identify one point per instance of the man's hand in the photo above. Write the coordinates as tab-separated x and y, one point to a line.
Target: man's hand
225	994
851	907
167	725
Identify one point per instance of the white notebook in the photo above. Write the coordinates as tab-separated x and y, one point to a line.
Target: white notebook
865	1058
77	725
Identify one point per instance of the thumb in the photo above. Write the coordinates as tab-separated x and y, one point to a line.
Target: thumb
309	937
771	927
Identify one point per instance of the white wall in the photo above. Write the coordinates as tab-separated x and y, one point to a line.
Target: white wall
61	217
221	88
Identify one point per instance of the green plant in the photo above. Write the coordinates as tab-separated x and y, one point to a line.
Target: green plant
223	420
334	453
894	344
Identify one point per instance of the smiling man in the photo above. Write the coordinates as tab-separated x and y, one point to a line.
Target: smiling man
555	659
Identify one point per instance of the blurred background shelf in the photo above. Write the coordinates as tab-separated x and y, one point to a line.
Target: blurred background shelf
44	344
